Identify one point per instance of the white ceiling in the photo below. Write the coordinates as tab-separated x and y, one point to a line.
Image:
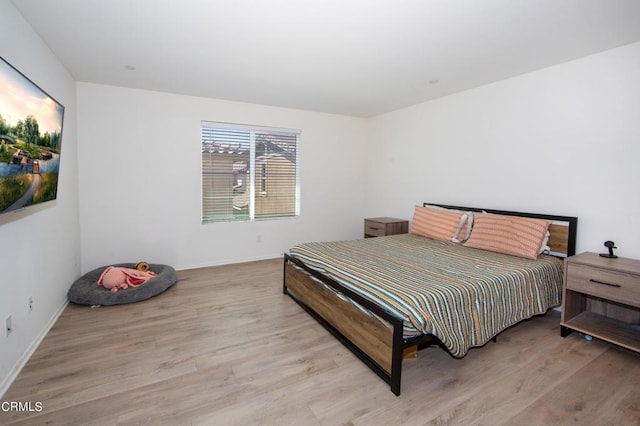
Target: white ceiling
353	57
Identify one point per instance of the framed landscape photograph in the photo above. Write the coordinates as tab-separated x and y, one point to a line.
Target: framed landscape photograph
30	141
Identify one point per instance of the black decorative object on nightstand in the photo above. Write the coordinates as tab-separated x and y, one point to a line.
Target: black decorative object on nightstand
610	245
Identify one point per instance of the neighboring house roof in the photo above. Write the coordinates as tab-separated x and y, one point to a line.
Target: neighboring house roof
223	148
271	149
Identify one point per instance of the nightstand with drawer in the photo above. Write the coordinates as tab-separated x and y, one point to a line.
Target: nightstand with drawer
602	299
383	226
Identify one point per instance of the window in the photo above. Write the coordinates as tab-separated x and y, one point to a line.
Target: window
249	172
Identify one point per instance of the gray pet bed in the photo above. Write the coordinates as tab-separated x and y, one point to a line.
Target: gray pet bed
86	291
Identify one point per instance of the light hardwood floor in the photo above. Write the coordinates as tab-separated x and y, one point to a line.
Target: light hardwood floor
224	346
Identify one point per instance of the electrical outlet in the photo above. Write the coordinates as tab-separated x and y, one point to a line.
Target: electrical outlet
8	327
30	304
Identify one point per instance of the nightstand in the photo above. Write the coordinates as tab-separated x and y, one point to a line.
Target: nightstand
383	226
602	299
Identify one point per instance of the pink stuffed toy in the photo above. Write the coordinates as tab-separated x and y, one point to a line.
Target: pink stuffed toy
117	278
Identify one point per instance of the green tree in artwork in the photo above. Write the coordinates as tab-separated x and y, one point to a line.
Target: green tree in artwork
19	130
32	130
4	127
46	139
56	138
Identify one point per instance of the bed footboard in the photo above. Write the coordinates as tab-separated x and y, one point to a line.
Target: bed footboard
379	344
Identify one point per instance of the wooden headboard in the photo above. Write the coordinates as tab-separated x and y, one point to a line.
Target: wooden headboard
562	231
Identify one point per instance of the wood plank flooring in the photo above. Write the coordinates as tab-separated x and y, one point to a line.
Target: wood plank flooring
224	346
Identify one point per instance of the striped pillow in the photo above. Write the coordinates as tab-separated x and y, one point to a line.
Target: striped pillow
438	224
465	229
517	236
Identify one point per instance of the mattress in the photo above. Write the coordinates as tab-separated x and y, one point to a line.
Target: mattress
462	296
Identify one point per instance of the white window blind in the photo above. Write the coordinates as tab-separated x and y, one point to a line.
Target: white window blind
249	172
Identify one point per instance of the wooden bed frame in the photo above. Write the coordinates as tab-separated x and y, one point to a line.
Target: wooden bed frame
380	345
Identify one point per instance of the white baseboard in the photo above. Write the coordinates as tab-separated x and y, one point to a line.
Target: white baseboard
22	361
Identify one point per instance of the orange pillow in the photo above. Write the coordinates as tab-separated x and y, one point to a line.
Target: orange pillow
465	229
514	235
438	224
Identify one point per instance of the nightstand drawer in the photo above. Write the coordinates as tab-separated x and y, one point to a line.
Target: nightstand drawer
375	229
619	286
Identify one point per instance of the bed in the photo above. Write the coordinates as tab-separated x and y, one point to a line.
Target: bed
386	296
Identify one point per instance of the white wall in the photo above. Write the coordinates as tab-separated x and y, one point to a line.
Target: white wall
140	179
564	140
39	250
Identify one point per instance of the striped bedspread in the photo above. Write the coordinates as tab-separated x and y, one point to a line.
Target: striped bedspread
461	295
